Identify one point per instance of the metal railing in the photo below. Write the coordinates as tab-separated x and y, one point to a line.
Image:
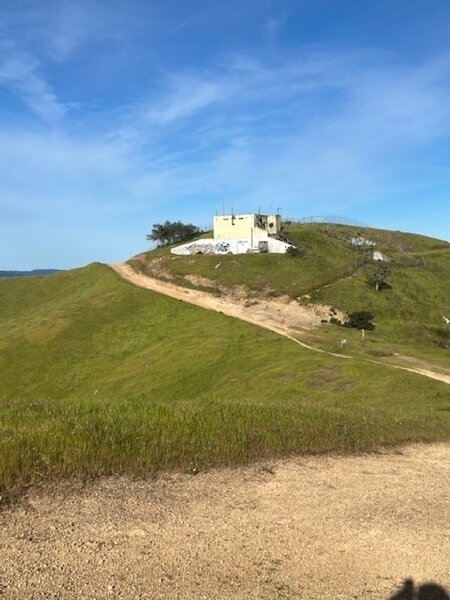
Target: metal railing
334	219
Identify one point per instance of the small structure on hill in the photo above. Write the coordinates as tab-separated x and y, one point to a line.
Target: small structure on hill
379	256
240	234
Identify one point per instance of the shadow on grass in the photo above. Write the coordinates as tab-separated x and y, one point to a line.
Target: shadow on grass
426	591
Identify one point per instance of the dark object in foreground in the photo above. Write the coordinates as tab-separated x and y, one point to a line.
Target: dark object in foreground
426	591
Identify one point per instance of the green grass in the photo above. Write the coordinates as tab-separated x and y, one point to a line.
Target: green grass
279	274
328	256
408	316
99	377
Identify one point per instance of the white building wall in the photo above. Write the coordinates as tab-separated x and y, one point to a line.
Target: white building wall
239	234
238	227
230	246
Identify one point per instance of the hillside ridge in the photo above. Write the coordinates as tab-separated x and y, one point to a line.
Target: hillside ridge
265	315
334	268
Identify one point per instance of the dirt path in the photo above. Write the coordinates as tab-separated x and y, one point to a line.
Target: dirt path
275	315
328	528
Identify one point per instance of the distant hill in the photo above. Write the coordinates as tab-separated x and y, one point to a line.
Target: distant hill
34	273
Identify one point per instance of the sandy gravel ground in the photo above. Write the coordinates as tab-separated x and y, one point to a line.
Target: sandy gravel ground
313	528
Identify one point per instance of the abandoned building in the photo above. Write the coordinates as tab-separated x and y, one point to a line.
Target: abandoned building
239	234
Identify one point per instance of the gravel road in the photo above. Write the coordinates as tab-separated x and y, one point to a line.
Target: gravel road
313	528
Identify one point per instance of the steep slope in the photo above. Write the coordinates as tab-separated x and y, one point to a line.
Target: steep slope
98	376
334	272
274	315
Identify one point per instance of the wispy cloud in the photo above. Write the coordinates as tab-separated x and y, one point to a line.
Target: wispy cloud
254	131
57	29
311	130
19	74
306	130
186	97
35	36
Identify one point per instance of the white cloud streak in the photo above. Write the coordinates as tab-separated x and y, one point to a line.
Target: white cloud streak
320	133
19	74
32	34
258	131
57	28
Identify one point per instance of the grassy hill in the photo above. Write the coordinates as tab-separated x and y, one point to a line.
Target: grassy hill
97	377
332	271
328	256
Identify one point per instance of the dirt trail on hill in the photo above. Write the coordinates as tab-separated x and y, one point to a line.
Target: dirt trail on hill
317	528
276	315
282	317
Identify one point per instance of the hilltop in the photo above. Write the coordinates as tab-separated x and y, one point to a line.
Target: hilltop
98	376
328	256
331	270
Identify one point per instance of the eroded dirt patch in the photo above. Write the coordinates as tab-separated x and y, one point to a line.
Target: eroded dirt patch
279	314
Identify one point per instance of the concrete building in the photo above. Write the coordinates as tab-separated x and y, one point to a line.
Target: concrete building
241	227
239	234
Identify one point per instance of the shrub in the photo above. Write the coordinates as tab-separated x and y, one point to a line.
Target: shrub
360	320
377	279
335	321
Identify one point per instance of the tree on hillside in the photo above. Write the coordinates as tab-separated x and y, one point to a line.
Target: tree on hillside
360	320
172	232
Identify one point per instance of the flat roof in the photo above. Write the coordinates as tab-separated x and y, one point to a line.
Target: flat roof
244	215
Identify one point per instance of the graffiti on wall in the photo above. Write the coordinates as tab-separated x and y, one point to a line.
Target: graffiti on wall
211	246
222	246
208	247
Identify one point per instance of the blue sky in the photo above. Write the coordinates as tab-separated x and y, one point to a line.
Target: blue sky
115	115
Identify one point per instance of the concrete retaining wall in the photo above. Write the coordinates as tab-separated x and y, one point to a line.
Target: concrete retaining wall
230	246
